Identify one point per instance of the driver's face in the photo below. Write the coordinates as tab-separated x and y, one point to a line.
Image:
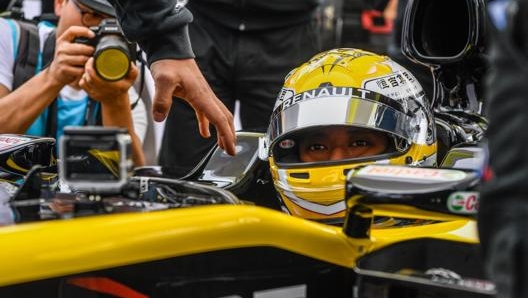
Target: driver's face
337	143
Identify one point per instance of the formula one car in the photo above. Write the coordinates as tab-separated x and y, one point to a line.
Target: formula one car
91	231
409	232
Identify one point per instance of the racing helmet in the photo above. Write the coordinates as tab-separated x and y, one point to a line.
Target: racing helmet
356	91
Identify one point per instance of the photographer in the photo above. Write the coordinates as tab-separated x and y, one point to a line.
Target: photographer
66	89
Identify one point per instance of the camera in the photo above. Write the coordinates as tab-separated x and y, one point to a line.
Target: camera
95	159
113	53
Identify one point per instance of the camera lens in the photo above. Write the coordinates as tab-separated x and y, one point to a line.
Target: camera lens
112	58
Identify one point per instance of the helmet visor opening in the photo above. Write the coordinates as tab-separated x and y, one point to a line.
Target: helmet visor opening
336	144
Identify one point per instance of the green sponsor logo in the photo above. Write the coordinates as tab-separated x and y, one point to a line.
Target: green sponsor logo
463	202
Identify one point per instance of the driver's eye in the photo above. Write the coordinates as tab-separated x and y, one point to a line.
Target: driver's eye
316	147
359	143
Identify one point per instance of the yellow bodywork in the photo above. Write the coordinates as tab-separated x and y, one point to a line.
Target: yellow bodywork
42	250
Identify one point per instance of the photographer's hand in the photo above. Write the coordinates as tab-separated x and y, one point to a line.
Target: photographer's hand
182	78
70	57
105	91
115	103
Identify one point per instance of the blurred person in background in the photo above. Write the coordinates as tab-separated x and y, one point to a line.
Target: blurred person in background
503	208
245	49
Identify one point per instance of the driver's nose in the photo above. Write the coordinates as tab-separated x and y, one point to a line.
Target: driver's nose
337	153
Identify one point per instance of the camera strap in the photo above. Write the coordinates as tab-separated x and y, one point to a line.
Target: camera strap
49	50
92	116
142	82
47	56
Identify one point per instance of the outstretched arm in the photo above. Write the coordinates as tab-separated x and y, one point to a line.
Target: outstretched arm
160	28
182	78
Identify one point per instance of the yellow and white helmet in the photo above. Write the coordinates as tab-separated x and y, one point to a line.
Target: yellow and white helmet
352	89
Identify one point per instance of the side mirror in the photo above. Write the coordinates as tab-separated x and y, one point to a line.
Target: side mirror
437	32
448	36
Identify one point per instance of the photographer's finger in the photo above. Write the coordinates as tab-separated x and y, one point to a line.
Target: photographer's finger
133	72
89	68
83	83
74	32
76	49
64	73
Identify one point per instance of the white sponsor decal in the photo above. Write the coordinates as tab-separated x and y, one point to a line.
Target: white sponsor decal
284	94
287	99
415	173
398	85
11	141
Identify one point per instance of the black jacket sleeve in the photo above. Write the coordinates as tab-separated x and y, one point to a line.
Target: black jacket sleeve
160	27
